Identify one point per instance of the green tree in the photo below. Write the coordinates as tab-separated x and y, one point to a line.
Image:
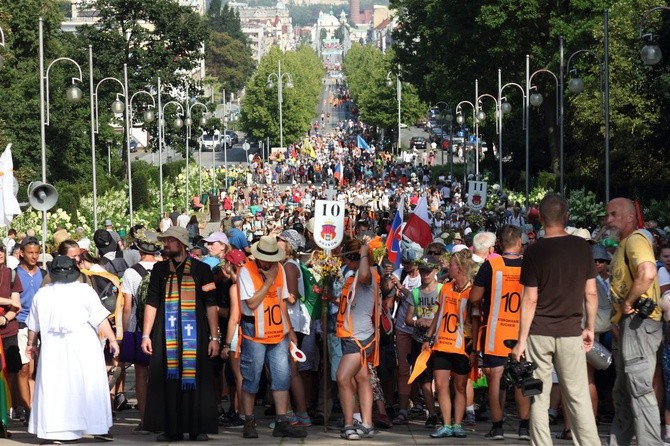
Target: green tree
229	60
260	112
224	19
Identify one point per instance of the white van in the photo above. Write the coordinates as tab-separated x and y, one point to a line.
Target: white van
209	142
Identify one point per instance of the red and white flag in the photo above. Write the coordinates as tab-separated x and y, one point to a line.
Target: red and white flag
417	228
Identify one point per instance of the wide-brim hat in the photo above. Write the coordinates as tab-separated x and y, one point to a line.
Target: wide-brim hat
267	249
147	242
63	270
177	232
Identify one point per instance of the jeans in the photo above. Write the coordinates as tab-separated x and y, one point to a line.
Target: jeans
254	355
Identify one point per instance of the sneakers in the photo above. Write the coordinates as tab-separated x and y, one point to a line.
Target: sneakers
458	431
524	433
233	421
302	420
470	419
250	428
443	432
285	429
415	412
496	433
433	421
104	437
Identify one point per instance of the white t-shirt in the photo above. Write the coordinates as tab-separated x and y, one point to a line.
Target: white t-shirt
410	283
130	284
183	220
247	289
663	276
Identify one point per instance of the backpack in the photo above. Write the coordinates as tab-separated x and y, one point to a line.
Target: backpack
142	292
311	299
116	266
108	288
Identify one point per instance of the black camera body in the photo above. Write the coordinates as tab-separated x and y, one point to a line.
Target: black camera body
520	373
644	307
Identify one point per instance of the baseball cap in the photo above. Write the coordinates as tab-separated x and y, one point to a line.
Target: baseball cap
29	241
103	241
236	256
429	262
217	236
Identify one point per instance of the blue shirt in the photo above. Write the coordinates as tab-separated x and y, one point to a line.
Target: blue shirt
237	239
213	262
30	285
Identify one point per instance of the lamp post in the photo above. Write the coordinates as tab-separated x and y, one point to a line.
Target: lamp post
73	94
398	93
189	124
445	114
279	76
95	127
461	120
576	86
650	53
536	100
177	123
481	117
2	45
148	117
505	107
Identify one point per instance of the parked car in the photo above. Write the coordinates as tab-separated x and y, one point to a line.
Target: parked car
231	137
133	145
211	142
417	142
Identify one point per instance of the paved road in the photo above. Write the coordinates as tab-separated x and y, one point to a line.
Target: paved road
413	433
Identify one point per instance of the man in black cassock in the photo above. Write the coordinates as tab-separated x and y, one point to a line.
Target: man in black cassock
170	407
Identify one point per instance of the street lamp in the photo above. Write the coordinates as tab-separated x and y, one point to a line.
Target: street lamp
398	93
445	115
461	120
536	100
576	86
481	117
279	76
504	108
650	53
189	123
177	123
73	94
117	107
148	117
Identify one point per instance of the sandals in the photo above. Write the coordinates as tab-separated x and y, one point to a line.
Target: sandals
350	433
565	434
401	418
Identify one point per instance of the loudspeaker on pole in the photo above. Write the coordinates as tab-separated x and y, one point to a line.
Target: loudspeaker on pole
42	196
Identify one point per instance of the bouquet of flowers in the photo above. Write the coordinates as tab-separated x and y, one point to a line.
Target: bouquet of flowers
327	271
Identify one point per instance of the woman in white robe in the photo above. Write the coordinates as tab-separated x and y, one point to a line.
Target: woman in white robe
71	397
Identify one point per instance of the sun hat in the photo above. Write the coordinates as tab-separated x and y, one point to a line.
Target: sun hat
108	222
147	242
60	236
104	241
267	249
600	253
217	236
177	232
429	262
63	270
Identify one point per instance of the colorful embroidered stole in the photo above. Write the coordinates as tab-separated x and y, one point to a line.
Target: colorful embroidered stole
180	313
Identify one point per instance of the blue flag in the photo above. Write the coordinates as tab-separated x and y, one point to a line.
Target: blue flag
361	144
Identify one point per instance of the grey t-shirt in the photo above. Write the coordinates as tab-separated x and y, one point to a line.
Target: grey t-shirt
362	310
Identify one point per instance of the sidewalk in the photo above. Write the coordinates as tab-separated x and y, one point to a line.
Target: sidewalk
413	433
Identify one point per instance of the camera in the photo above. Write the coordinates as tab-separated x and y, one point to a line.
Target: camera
520	373
644	307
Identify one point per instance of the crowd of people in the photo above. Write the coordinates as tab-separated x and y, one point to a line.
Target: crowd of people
425	331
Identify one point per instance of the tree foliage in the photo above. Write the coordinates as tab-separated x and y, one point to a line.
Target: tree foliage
368	71
260	112
444	46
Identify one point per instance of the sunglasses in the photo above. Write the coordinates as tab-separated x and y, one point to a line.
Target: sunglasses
435	253
354	256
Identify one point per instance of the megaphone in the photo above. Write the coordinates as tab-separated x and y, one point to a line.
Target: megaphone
42	196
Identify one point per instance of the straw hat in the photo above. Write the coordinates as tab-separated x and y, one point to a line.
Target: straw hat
267	249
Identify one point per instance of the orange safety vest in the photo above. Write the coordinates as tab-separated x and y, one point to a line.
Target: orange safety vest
450	335
504	314
344	324
270	326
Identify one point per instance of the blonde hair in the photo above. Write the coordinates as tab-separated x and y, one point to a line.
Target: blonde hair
463	259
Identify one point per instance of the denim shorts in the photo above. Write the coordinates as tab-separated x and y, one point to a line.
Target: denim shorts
254	355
